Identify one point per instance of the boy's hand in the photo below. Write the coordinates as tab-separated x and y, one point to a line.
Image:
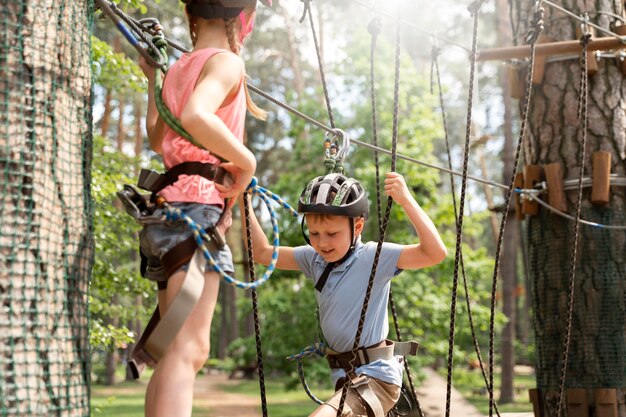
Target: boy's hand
396	188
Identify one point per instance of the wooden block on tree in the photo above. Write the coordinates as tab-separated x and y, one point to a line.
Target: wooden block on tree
516	81
605	402
621	30
532	175
534	395
577	403
554	179
601	176
540	61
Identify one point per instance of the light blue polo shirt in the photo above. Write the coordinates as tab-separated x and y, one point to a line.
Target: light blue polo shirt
341	301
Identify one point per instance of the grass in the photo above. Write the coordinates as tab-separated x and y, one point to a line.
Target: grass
126	399
280	402
472	385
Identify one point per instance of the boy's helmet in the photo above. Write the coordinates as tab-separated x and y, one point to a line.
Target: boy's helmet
334	194
216	9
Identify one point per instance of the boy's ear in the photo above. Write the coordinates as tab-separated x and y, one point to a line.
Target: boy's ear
358	225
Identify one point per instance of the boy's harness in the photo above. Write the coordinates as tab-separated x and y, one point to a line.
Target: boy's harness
384	350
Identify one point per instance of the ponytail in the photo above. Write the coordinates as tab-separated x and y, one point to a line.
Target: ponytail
235	47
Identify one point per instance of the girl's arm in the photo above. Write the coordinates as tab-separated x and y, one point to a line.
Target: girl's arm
260	245
430	250
219	81
154	123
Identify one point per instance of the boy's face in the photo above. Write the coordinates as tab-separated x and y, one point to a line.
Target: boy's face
330	236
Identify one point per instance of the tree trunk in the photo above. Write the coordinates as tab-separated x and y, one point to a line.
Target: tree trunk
597	349
46	245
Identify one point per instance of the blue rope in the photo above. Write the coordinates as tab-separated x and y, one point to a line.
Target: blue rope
317	349
200	235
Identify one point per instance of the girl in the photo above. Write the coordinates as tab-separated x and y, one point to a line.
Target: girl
206	90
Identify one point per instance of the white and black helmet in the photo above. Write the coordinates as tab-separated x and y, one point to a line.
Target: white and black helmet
334	194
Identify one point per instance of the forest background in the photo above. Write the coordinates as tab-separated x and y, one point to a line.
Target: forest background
280	59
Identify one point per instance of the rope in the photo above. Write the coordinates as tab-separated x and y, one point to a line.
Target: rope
174	213
435	68
307	11
383	228
414	26
474	9
584	92
116	15
316	350
374	29
322	126
532	37
255	309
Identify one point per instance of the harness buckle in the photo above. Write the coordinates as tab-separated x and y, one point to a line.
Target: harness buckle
137	205
149	179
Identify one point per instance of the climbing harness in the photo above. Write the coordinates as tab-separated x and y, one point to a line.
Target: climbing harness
386	350
160	333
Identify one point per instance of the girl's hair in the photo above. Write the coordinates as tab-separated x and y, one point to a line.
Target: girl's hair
235	47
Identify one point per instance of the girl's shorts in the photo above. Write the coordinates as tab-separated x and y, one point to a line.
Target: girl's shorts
157	238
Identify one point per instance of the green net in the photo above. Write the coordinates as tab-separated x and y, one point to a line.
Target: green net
46	245
597	352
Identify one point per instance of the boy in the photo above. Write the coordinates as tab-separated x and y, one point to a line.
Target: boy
335	208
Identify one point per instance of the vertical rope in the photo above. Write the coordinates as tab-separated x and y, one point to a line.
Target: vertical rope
307	10
255	309
437	75
582	116
383	228
375	28
474	9
532	37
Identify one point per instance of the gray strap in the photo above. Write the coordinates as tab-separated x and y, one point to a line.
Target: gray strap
372	403
389	351
160	332
181	308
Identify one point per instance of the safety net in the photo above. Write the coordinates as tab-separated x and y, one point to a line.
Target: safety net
597	350
46	244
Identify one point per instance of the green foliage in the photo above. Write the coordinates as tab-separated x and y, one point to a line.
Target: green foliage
114	70
115	279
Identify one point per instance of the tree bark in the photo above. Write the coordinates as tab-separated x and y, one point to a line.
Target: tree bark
597	349
46	245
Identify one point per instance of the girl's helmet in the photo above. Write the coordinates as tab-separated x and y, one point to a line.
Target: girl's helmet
220	9
334	194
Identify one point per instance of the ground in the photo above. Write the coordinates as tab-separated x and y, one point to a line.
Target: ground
432	396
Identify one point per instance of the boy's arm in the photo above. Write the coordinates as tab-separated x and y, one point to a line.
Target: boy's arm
261	248
431	249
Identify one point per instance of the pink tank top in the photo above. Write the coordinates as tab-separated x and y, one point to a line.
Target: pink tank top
177	88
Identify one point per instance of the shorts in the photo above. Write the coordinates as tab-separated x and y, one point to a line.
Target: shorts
388	394
156	239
